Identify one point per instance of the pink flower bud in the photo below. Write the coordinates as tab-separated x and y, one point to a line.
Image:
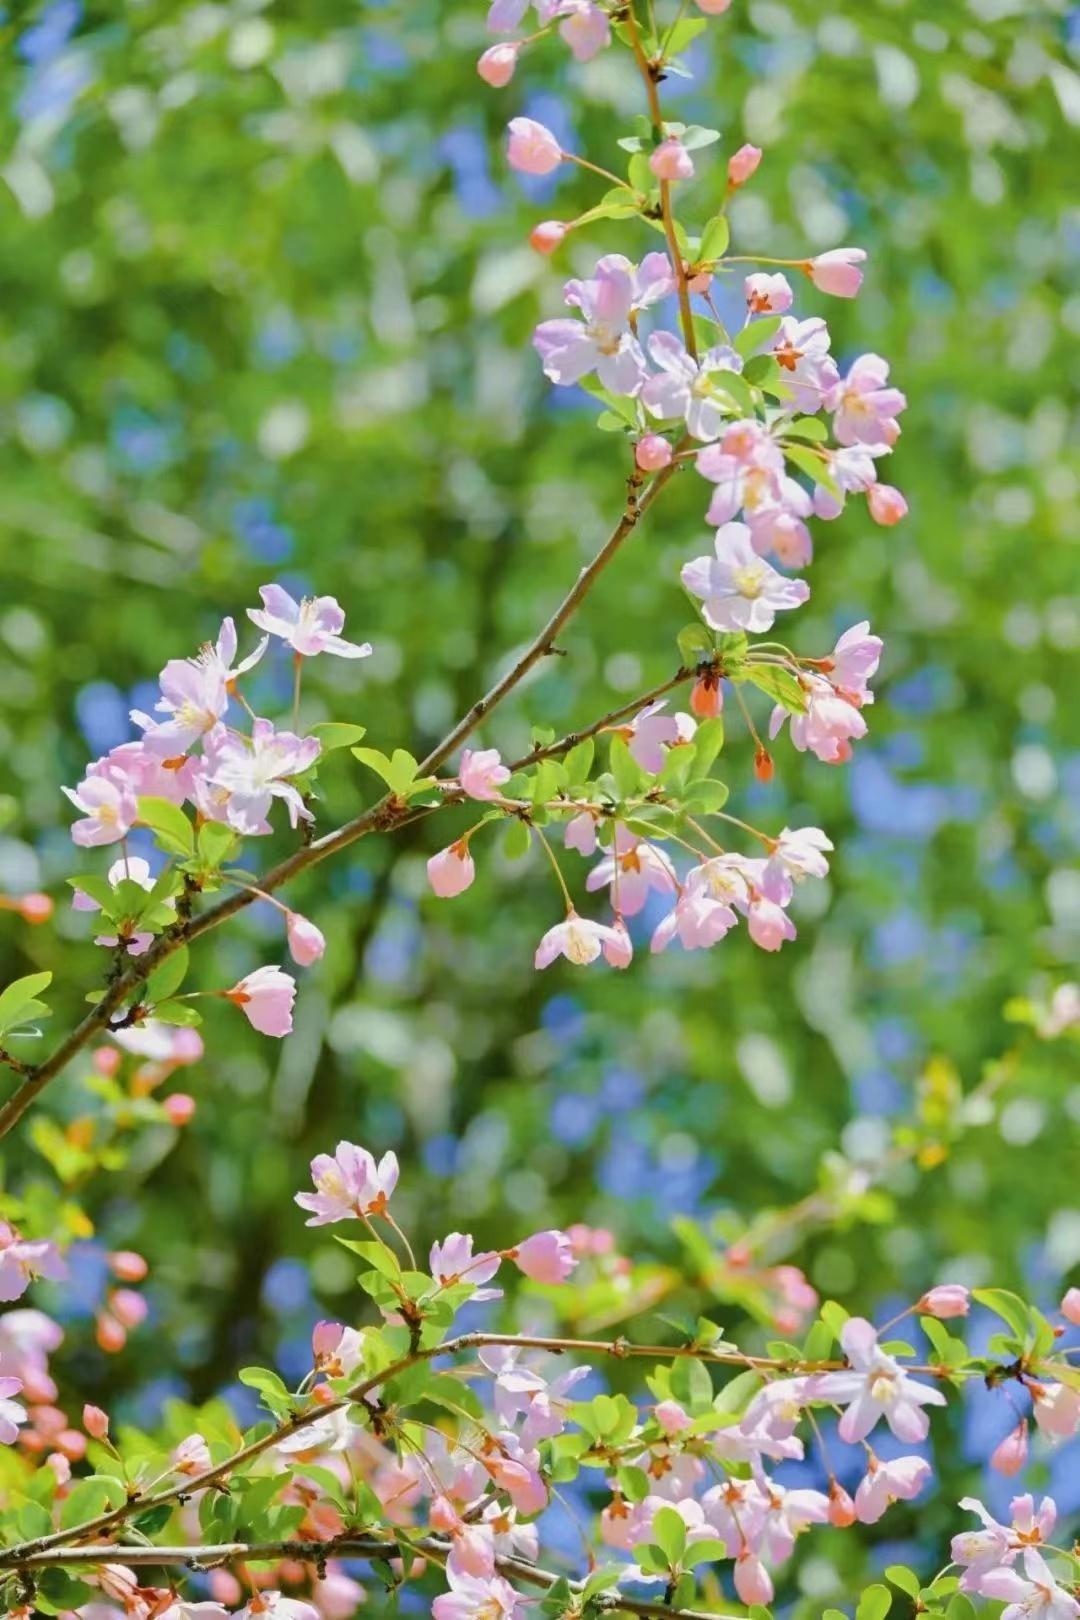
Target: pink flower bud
742	164
949	1299
547	236
546	1257
1011	1455
71	1444
1070	1307
701	282
128	1307
110	1334
95	1421
496	66
36	908
127	1266
179	1108
653	452
671	161
886	504
841	1507
532	148
192	1456
444	1517
306	942
713	8
451	871
325	1338
671	1417
837	272
323	1395
107	1060
752	1581
60	1467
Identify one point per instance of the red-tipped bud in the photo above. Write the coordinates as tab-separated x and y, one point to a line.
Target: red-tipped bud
547	236
36	908
127	1266
763	765
841	1507
110	1334
95	1422
180	1108
707	697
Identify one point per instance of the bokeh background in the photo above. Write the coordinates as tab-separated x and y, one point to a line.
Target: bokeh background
265	303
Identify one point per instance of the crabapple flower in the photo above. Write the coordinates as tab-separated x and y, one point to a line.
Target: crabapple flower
337	1350
603	342
795	855
787	1514
477	1597
192	1456
946	1300
451	871
887	1482
714	8
696	920
309	627
652	452
497	64
980	1551
581	941
751	1578
11	1413
585	28
265	998
740	590
1010	1454
684	389
482	773
22	1262
108	808
671	161
254	771
885	504
801	349
1070	1306
95	1421
452	1261
876	1386
580	833
672	1417
1035	1595
633	868
506	15
546	1257
547	236
837	272
220	655
768	923
742	164
768	295
829	725
865	408
519	1391
194	696
852	470
854	660
272	1604
349	1185
1056	1410
652	732
306	942
531	147
133	869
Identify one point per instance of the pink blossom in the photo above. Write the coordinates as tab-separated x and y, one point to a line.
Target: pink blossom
191	1456
672	1417
452	1261
671	161
516	1470
768	294
337	1350
1057	1410
768	923
109	810
128	1307
131	869
11	1413
482	773
652	452
739	589
684	387
547	235
795	855
253	772
865	408
742	164
95	1421
979	1552
619	949
521	1392
886	1482
532	148
22	1262
220	655
946	1300
161	1043
1010	1454
546	1257
179	1109
476	1597
829	725
1070	1306
266	998
1036	1597
885	504
309	627
837	272
713	8
349	1185
497	64
752	1582
696	920
747	469
194	696
603	342
876	1386
306	942
585	28
855	659
451	871
801	349
850	469
581	941
506	15
652	732
272	1604
841	1507
127	1265
633	868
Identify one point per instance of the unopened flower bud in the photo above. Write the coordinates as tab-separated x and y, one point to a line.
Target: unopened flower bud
885	504
95	1422
1070	1306
671	1417
547	236
180	1108
713	8
671	161
949	1299
531	147
306	942
496	66
36	908
763	765
127	1266
1011	1454
841	1507
752	1582
110	1334
707	697
742	164
129	1308
652	452
107	1060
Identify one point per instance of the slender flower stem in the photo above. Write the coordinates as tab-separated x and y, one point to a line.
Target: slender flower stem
556	868
595	168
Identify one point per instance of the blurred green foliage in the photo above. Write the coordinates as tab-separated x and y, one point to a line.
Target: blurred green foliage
266	303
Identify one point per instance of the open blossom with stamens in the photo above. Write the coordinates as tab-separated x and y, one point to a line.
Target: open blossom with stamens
581	941
634	869
254	771
349	1185
876	1386
980	1551
864	407
309	627
477	1597
108	808
740	590
452	1261
482	773
523	1392
585	28
192	1456
21	1261
1035	1595
768	295
684	386
801	349
653	731
220	656
696	920
194	697
603	341
337	1350
884	1483
795	855
266	998
831	722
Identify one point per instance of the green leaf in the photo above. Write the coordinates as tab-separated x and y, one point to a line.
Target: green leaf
683	34
628	775
216	843
19	997
874	1604
715	239
180	1013
692	641
814	466
89	1497
761	370
705	797
167	978
706	1551
517	839
1010	1307
807	427
906	1579
579	761
695	136
753	337
171	827
779	684
669	1533
708	741
334	734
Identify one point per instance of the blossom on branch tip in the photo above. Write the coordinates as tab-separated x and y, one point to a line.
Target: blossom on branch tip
265	998
451	871
581	941
482	773
739	589
531	147
671	161
546	1257
876	1386
194	696
349	1185
306	942
684	387
309	627
837	271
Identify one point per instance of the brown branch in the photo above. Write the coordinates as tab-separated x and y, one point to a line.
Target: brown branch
564	744
388	813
